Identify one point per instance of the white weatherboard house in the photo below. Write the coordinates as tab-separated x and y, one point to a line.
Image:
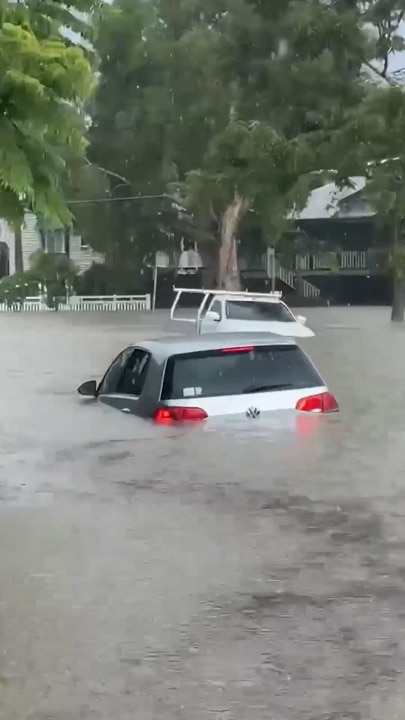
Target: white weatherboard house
50	241
60	242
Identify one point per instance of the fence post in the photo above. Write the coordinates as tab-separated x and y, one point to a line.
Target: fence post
147	302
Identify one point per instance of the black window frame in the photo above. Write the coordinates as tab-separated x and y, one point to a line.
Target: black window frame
131	353
110	367
213	309
143	374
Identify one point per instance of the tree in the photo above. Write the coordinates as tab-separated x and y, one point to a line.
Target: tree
387	170
16	288
234	102
372	139
382	20
127	138
381	122
45	81
75	21
294	69
56	274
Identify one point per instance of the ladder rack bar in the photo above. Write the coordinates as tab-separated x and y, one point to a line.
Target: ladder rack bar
174	308
233	293
200	311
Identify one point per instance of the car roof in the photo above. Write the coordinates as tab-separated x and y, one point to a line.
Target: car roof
250	299
173	345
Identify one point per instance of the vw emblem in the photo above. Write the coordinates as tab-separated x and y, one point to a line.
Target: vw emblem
252	412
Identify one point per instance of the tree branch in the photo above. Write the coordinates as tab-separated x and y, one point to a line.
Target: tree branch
386	30
108	172
399	20
375	70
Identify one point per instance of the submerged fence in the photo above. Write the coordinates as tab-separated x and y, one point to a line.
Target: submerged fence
77	303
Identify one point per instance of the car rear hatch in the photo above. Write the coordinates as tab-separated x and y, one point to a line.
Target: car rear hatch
247	380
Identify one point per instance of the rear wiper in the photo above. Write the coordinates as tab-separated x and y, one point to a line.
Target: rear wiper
267	388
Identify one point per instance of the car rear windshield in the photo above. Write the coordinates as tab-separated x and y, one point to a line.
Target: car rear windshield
236	372
258	311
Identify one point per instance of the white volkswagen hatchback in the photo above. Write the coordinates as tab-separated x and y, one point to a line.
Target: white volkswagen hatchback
197	377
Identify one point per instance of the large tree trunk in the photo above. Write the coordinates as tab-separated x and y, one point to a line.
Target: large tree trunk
398	265
228	275
398	298
18	250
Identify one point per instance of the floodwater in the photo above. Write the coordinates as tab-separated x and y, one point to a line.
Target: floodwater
228	572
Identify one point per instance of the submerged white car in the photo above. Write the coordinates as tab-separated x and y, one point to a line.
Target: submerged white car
223	312
190	378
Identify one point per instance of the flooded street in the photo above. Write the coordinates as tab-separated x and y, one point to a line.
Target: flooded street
225	572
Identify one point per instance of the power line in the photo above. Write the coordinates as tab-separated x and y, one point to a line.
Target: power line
121	199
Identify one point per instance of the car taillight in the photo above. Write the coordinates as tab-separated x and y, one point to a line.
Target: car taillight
179	414
322	403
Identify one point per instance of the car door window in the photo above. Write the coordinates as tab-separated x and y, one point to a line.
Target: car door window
134	374
113	375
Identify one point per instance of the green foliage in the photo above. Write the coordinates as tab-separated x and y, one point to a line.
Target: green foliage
88	184
100	279
45	81
372	139
47	267
56	273
16	288
48	17
258	98
383	19
214	97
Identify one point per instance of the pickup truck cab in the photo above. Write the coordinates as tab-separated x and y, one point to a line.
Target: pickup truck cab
223	312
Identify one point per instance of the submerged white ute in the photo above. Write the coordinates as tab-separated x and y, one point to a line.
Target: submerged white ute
223	311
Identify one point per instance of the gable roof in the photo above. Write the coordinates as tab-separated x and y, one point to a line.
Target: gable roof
323	203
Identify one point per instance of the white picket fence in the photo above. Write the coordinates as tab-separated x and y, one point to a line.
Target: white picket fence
76	303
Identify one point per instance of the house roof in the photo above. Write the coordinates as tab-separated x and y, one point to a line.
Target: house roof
324	202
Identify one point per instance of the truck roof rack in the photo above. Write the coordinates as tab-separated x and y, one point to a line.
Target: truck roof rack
207	294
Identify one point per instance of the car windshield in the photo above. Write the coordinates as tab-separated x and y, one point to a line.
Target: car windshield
258	311
236	372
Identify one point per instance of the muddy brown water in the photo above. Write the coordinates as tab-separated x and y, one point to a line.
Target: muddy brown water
235	572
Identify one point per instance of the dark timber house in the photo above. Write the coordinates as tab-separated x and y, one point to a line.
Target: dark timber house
340	256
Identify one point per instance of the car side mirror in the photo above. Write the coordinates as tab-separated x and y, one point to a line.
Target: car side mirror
88	389
212	315
301	320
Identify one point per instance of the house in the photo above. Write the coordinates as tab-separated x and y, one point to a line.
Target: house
346	250
343	258
60	241
337	252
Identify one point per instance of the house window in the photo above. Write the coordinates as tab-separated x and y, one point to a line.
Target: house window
55	241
